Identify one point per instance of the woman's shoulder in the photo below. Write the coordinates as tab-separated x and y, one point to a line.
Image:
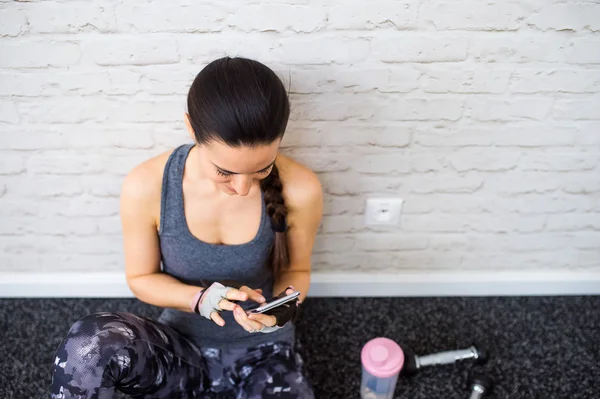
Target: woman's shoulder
301	186
143	184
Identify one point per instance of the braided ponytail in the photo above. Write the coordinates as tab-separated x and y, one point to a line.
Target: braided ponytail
272	187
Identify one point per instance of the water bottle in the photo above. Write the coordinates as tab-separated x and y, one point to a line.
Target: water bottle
382	359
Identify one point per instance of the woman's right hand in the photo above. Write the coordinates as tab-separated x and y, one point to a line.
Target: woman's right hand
217	297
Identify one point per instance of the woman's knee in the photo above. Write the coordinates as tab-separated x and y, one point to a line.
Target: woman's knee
292	384
81	358
96	336
280	376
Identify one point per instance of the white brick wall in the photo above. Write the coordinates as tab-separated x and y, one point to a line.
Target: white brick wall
483	115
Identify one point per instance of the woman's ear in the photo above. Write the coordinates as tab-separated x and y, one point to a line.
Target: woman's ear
188	124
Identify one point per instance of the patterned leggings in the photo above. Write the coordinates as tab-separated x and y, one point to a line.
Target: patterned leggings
108	352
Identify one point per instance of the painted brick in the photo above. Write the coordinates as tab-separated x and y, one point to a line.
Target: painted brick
9	112
583	50
577	109
390	242
339	50
555	80
418	162
72	17
508	135
445	183
513	108
520	182
201	49
37	83
44	186
113	50
574	222
336	134
534	135
166	16
449	135
476	81
385	80
319	161
38	53
11	164
560	162
567	16
473	15
341	205
420	48
372	15
469	159
333	243
330	107
510	47
422	109
278	17
75	110
13	21
65	164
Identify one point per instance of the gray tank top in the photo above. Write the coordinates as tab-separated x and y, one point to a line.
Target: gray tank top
195	262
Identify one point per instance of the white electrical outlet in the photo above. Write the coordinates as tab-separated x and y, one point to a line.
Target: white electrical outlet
383	211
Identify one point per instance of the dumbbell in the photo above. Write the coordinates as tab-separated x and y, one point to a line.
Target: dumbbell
414	363
479	385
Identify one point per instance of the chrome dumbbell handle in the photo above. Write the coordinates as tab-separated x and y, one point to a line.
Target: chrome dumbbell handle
477	392
446	357
480	385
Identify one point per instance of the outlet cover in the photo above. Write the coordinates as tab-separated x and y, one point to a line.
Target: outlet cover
383	211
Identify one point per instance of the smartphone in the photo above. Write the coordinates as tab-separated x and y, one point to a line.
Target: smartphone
273	303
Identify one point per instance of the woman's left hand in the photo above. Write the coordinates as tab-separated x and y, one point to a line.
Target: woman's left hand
253	322
257	322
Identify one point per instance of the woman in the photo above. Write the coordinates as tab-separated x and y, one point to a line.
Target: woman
210	229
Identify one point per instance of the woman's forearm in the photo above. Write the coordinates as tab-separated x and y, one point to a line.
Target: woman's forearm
162	290
300	280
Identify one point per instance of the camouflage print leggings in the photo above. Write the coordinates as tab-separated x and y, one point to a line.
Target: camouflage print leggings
108	352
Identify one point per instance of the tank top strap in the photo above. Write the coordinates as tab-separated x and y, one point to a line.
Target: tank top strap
172	215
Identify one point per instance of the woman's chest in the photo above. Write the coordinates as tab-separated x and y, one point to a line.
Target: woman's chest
233	222
195	263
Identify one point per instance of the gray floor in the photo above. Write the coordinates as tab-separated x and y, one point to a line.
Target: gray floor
540	347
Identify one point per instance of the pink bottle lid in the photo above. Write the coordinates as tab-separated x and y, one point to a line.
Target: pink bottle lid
382	357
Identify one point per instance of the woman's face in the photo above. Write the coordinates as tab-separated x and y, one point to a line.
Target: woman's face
235	169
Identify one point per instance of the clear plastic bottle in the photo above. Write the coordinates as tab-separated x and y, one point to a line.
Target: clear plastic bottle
382	359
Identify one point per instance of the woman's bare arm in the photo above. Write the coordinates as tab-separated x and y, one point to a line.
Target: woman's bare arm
140	203
304	199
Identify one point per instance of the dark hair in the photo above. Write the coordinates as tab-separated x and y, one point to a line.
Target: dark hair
241	102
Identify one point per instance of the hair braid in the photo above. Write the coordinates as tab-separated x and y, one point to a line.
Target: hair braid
277	212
